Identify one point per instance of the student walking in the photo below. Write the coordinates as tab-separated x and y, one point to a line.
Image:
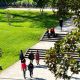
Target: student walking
21	57
30	68
31	56
23	63
61	23
37	57
24	67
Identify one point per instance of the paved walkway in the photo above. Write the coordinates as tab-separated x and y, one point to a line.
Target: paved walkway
43	45
67	27
37	9
40	72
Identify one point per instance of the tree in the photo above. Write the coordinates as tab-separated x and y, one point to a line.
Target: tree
75	6
62	6
5	3
41	4
52	3
61	59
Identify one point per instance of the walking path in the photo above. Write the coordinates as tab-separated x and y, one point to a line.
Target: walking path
37	9
40	72
67	27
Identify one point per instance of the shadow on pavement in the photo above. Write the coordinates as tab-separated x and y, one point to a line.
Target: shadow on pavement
41	66
75	78
35	79
10	79
22	79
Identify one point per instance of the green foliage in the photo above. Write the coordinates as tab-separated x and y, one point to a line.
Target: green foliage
59	59
62	6
75	5
41	3
51	59
41	20
25	30
59	46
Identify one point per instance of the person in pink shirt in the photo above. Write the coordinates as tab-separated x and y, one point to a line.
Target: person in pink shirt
37	57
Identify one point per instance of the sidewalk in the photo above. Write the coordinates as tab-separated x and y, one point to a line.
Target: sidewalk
14	72
31	9
43	45
67	27
40	72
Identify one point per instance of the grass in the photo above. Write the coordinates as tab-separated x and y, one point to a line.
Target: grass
25	30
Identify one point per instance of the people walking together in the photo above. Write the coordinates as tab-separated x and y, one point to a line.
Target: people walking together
30	68
37	57
48	33
52	31
31	57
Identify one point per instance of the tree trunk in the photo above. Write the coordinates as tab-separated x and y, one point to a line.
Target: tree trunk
41	11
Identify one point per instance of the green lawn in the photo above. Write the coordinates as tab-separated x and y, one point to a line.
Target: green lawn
25	30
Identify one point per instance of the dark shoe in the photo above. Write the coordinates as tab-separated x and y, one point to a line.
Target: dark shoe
24	77
31	76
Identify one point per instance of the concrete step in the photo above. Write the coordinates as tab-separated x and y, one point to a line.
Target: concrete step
53	39
74	55
71	53
41	56
49	40
57	35
42	52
